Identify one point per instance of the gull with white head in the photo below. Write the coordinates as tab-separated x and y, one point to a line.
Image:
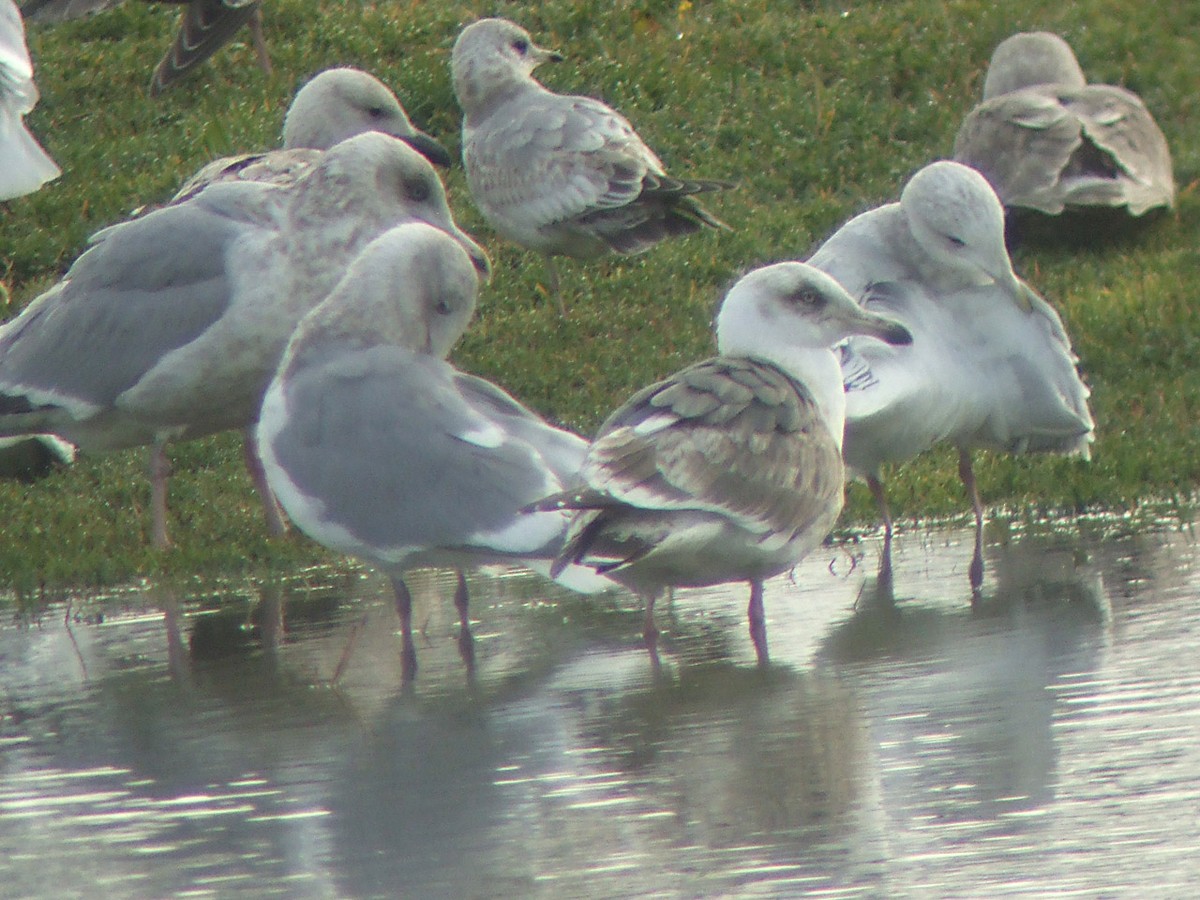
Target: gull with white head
990	365
171	325
334	105
1048	141
24	165
731	469
563	175
379	448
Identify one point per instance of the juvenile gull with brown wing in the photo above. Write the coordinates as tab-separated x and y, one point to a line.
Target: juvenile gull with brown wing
731	469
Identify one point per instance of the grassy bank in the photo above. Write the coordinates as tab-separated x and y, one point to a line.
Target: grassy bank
817	110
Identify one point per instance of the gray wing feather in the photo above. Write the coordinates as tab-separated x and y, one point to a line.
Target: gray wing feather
376	434
561	450
1021	142
144	288
281	168
1119	124
1047	148
555	158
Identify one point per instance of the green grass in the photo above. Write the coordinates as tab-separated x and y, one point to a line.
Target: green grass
817	110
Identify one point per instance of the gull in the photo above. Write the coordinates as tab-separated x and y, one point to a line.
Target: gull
730	469
334	105
205	26
1049	141
170	326
563	175
24	165
379	448
990	365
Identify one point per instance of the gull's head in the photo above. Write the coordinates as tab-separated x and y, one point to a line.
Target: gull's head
956	218
1031	58
413	286
373	182
796	305
490	58
340	103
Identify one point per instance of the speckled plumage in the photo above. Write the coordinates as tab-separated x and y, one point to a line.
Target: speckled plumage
1048	141
171	325
564	175
335	105
731	469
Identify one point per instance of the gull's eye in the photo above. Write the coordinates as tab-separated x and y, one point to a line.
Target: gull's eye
956	242
809	298
521	46
375	112
417	189
443	307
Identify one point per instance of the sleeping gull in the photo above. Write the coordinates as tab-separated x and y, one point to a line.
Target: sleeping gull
24	165
1048	141
378	448
563	175
335	105
731	469
990	365
171	325
205	26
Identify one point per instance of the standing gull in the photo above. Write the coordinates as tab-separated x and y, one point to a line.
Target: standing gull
731	469
563	175
990	365
171	325
335	105
205	26
377	447
1049	141
24	165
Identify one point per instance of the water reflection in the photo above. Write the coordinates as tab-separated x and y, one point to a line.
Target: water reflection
904	742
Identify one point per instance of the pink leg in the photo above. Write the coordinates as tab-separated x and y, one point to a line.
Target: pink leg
160	469
967	473
276	523
758	622
880	495
466	640
554	285
260	42
649	629
408	653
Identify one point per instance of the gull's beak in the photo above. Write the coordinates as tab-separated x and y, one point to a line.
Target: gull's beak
479	257
887	330
428	148
1015	287
1025	296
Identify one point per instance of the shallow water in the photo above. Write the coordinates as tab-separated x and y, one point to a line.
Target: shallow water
1042	742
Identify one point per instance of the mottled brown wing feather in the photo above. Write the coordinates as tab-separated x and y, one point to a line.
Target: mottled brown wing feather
738	438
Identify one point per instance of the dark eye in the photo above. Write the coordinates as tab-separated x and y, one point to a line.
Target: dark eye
443	307
956	242
375	112
417	189
810	298
521	46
